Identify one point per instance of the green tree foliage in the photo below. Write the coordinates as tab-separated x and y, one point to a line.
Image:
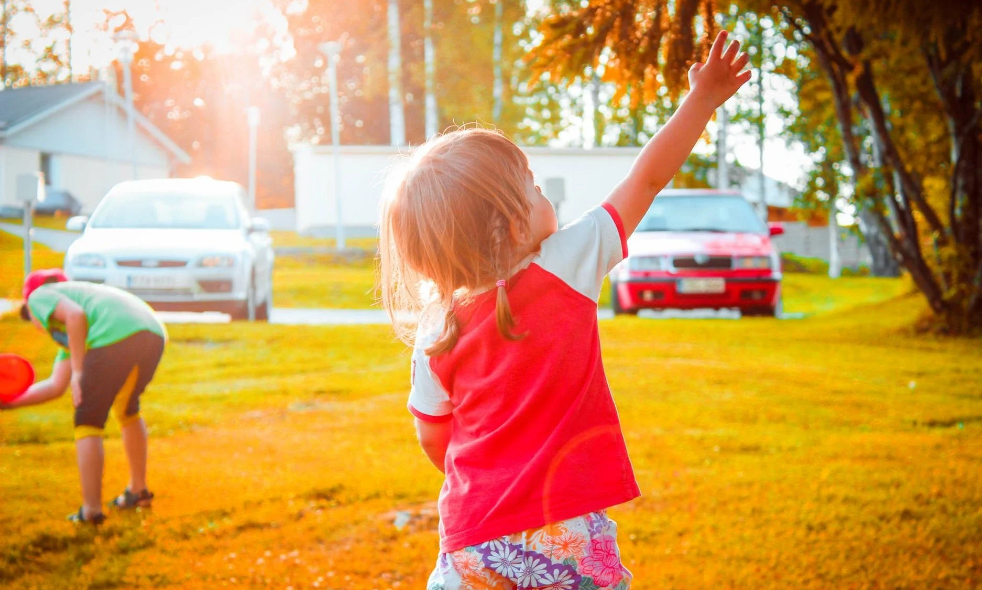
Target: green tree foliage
905	82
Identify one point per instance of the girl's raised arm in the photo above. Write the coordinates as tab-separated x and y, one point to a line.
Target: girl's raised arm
711	84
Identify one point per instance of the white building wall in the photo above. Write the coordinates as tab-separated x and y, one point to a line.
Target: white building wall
14	161
588	176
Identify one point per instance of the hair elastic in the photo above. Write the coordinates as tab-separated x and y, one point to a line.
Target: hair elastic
502	283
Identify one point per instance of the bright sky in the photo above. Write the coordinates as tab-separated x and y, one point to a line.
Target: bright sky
182	23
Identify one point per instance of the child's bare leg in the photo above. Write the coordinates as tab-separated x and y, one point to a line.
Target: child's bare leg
135	443
90	460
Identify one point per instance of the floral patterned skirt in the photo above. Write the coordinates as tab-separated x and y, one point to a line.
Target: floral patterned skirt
577	554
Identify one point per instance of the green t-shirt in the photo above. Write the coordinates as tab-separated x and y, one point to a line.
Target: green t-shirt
112	314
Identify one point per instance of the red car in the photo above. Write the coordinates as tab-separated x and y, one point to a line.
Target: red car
700	249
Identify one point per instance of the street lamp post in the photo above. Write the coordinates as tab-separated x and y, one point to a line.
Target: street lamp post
333	50
253	118
125	50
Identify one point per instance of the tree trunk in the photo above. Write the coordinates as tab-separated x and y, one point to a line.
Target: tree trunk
883	263
598	118
429	56
71	34
3	45
839	69
397	116
498	91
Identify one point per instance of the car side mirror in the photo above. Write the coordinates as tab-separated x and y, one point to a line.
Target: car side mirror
77	223
259	225
776	229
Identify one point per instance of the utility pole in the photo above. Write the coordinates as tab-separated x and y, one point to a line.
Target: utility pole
333	50
835	263
429	56
397	117
252	118
125	43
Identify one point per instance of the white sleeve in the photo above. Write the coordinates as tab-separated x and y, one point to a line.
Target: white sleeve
583	252
428	400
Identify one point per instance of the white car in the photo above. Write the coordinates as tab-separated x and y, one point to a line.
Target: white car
180	245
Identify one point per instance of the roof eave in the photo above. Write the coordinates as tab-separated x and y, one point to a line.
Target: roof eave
38	117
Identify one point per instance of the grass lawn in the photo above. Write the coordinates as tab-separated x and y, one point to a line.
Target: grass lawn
12	263
326	281
290	239
838	451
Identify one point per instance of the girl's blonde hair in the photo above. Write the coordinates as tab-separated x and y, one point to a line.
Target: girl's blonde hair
452	219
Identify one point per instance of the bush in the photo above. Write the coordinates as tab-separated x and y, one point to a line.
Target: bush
791	263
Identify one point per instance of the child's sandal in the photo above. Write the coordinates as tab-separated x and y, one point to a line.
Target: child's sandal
79	518
128	500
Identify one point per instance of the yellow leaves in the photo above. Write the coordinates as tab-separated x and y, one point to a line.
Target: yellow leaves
645	43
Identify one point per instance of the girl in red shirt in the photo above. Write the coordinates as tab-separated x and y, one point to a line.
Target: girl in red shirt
508	388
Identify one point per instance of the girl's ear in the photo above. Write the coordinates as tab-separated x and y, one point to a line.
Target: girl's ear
518	234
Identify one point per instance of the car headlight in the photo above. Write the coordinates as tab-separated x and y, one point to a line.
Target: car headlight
753	263
216	261
648	263
89	261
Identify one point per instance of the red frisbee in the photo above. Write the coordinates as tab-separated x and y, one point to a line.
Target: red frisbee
16	377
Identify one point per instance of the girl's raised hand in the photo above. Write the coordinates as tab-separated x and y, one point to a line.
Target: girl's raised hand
720	76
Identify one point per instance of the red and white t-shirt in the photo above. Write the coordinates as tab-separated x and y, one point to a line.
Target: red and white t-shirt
535	434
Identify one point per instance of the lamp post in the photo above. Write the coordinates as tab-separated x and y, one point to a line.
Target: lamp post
332	50
253	118
125	48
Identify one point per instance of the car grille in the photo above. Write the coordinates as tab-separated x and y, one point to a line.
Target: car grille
216	286
703	263
151	263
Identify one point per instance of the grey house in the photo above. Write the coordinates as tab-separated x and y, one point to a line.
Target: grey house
77	135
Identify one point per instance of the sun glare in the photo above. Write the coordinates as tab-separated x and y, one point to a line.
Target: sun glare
185	24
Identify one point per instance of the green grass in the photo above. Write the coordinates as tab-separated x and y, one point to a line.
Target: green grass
838	451
12	263
289	239
323	281
835	452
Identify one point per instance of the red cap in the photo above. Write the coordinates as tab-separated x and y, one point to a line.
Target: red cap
42	277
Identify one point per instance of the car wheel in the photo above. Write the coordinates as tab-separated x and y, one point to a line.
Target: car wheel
615	302
266	309
246	311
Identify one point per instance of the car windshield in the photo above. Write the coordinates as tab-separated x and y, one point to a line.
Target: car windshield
708	213
170	211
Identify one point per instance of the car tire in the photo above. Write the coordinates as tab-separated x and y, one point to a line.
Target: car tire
615	302
246	311
770	311
264	311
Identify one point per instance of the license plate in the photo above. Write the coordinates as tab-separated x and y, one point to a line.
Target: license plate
702	286
151	282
